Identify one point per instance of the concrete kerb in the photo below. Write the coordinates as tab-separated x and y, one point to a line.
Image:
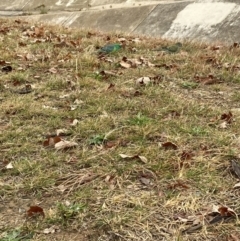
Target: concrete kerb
75	5
56	5
14	5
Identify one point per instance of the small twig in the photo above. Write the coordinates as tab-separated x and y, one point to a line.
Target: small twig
76	180
110	132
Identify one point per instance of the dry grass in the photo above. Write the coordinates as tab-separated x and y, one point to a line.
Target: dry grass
90	192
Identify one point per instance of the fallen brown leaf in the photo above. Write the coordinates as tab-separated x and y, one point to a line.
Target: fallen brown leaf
143	81
169	145
228	117
141	158
35	210
208	80
64	145
51	141
236	167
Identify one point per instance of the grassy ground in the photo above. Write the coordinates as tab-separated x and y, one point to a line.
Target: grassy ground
105	156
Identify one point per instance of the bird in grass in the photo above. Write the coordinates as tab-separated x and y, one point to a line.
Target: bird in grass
110	48
171	49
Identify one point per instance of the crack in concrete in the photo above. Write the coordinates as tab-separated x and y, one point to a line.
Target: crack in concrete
144	19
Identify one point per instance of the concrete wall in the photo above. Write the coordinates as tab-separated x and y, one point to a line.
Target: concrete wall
208	20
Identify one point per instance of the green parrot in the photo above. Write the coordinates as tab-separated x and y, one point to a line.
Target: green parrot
110	48
171	49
